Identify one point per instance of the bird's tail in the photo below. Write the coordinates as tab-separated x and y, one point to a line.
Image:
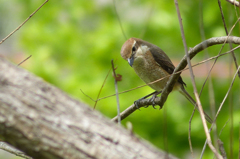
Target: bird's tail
185	93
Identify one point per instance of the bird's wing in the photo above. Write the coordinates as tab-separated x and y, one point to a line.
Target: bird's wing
163	61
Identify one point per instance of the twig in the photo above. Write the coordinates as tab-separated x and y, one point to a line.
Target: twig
165	132
87	95
119	20
189	133
22	23
194	86
116	89
6	147
223	127
101	89
147	19
24	60
236	3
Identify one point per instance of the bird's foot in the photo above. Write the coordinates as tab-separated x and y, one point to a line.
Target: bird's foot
152	100
137	103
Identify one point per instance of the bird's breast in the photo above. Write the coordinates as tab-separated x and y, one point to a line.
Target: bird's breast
149	72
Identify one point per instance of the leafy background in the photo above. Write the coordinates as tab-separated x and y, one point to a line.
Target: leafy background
72	43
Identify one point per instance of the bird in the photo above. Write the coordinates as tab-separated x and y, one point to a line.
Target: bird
151	63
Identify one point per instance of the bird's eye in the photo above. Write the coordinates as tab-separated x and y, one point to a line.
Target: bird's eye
133	48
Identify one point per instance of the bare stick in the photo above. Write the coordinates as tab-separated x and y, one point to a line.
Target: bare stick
119	20
24	60
87	95
189	133
22	23
116	90
101	89
147	19
6	147
223	127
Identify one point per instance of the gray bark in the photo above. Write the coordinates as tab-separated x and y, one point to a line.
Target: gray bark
44	122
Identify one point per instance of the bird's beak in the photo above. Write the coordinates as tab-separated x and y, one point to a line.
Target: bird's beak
131	60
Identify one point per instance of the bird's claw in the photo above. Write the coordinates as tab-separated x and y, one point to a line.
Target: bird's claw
136	103
152	100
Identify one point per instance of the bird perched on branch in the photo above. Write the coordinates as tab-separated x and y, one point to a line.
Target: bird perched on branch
151	64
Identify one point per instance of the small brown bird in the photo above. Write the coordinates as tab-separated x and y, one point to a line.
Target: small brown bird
151	63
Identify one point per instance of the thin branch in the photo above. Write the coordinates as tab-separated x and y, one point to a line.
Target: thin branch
6	147
87	96
22	23
119	20
101	89
116	90
223	127
165	132
189	132
147	19
24	60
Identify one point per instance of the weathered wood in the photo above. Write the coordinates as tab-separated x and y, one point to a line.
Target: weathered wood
44	122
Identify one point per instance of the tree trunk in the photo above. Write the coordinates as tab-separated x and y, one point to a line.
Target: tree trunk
44	122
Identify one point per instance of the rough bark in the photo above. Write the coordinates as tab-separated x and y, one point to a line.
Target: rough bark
44	122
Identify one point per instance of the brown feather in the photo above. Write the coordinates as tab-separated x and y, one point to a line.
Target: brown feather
161	58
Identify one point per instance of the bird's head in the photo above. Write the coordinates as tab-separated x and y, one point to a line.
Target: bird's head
132	49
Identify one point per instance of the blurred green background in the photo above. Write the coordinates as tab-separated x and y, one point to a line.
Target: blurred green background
72	43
